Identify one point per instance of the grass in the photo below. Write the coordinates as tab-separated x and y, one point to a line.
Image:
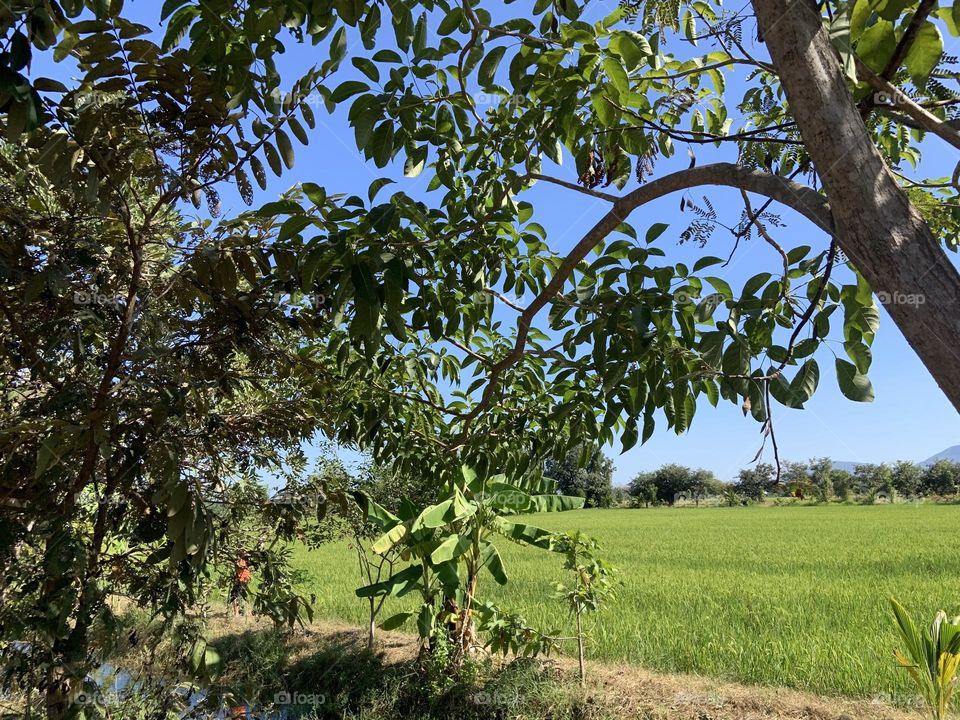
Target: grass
793	596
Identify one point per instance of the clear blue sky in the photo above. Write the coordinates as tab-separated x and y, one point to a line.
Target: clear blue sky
910	418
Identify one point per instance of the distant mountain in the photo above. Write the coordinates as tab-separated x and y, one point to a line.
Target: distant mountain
951	453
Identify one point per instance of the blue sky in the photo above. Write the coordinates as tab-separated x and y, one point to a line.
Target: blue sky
910	418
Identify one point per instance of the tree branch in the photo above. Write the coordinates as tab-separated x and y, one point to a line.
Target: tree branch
928	121
801	198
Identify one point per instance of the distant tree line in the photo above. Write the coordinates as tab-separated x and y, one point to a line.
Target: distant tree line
815	480
586	472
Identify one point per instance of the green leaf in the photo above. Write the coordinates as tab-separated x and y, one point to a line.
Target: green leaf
853	384
450	549
892	9
616	74
315	193
273	159
389	539
632	48
840	37
367	67
395	621
382	143
381	219
488	68
522	533
494	563
655	231
706	262
925	53
415	161
348	89
877	44
396	585
804	384
690	27
556	503
425	620
707	307
630	435
450	22
376	186
606	113
178	25
861	355
338	46
286	149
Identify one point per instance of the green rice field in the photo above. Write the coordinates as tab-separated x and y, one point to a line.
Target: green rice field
793	596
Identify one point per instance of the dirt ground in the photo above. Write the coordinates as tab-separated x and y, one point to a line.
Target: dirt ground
638	694
624	691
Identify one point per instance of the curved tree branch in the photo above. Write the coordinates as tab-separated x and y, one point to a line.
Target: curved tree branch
804	200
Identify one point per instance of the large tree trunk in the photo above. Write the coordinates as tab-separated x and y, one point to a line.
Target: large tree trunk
876	226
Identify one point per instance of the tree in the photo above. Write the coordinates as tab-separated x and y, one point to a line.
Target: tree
843	484
821	470
796	479
704	483
152	370
673	482
897	249
584	472
628	330
449	543
907	478
420	355
593	583
643	488
756	482
621	496
145	385
873	480
942	478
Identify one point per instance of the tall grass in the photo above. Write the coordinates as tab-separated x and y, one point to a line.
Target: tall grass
792	596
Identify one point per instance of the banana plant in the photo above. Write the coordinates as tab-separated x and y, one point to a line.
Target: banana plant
449	545
931	657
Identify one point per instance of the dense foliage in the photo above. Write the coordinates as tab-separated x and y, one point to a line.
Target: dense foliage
156	359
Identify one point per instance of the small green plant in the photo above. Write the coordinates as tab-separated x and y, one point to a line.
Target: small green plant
449	543
931	656
593	582
731	498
